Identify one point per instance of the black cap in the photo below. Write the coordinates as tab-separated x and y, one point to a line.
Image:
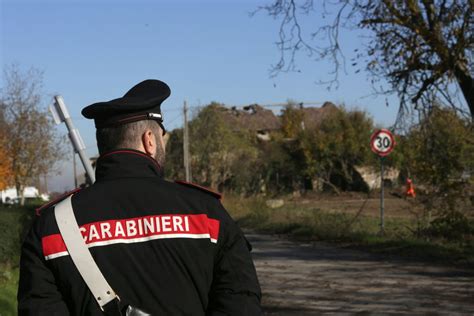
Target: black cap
142	102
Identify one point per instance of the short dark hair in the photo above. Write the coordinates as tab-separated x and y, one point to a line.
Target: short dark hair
124	136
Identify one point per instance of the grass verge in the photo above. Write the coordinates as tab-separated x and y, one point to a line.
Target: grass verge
310	223
14	223
8	290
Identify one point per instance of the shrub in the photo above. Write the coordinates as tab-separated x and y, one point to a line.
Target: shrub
14	224
452	226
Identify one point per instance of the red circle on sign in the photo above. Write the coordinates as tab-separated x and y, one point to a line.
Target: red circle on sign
374	138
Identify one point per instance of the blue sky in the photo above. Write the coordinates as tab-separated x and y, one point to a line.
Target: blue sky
205	50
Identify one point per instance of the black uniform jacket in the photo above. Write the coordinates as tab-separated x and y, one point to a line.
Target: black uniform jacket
168	248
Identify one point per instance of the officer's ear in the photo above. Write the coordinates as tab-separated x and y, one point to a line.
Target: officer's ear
149	142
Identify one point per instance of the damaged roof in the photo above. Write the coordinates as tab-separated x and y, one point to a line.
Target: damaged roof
314	116
256	118
252	117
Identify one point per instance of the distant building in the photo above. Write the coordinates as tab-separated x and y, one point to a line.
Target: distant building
372	178
313	117
9	195
252	118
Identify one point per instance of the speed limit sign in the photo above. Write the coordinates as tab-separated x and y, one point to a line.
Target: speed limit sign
382	142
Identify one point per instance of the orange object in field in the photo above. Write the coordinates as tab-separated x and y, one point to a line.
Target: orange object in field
410	188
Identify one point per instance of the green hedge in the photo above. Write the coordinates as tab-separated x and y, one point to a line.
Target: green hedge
8	289
14	224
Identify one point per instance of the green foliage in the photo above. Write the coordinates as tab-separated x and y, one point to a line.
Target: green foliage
14	223
332	150
8	289
221	157
291	120
281	169
227	158
174	165
453	226
439	153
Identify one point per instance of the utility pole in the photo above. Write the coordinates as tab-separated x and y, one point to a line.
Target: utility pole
61	114
187	167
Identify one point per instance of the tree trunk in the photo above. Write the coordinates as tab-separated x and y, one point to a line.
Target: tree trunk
466	83
18	189
22	198
20	193
333	187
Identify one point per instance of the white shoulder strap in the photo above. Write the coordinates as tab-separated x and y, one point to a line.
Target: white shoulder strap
80	253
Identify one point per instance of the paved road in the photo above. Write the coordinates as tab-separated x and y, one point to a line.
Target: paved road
313	279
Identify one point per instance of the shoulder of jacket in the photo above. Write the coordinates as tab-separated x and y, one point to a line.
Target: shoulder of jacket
55	201
215	194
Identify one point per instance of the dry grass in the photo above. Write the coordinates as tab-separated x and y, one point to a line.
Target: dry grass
328	220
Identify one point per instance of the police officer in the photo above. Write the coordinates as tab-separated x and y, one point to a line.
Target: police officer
167	248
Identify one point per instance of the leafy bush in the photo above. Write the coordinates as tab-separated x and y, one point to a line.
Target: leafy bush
453	226
8	289
14	224
439	154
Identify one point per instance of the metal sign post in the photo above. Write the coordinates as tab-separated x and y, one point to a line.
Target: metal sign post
382	143
382	223
61	114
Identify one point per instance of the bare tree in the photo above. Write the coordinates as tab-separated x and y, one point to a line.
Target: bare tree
32	144
422	48
5	163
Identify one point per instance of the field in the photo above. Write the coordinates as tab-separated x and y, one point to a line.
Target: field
352	220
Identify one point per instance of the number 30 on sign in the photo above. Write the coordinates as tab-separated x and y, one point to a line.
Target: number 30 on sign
382	142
